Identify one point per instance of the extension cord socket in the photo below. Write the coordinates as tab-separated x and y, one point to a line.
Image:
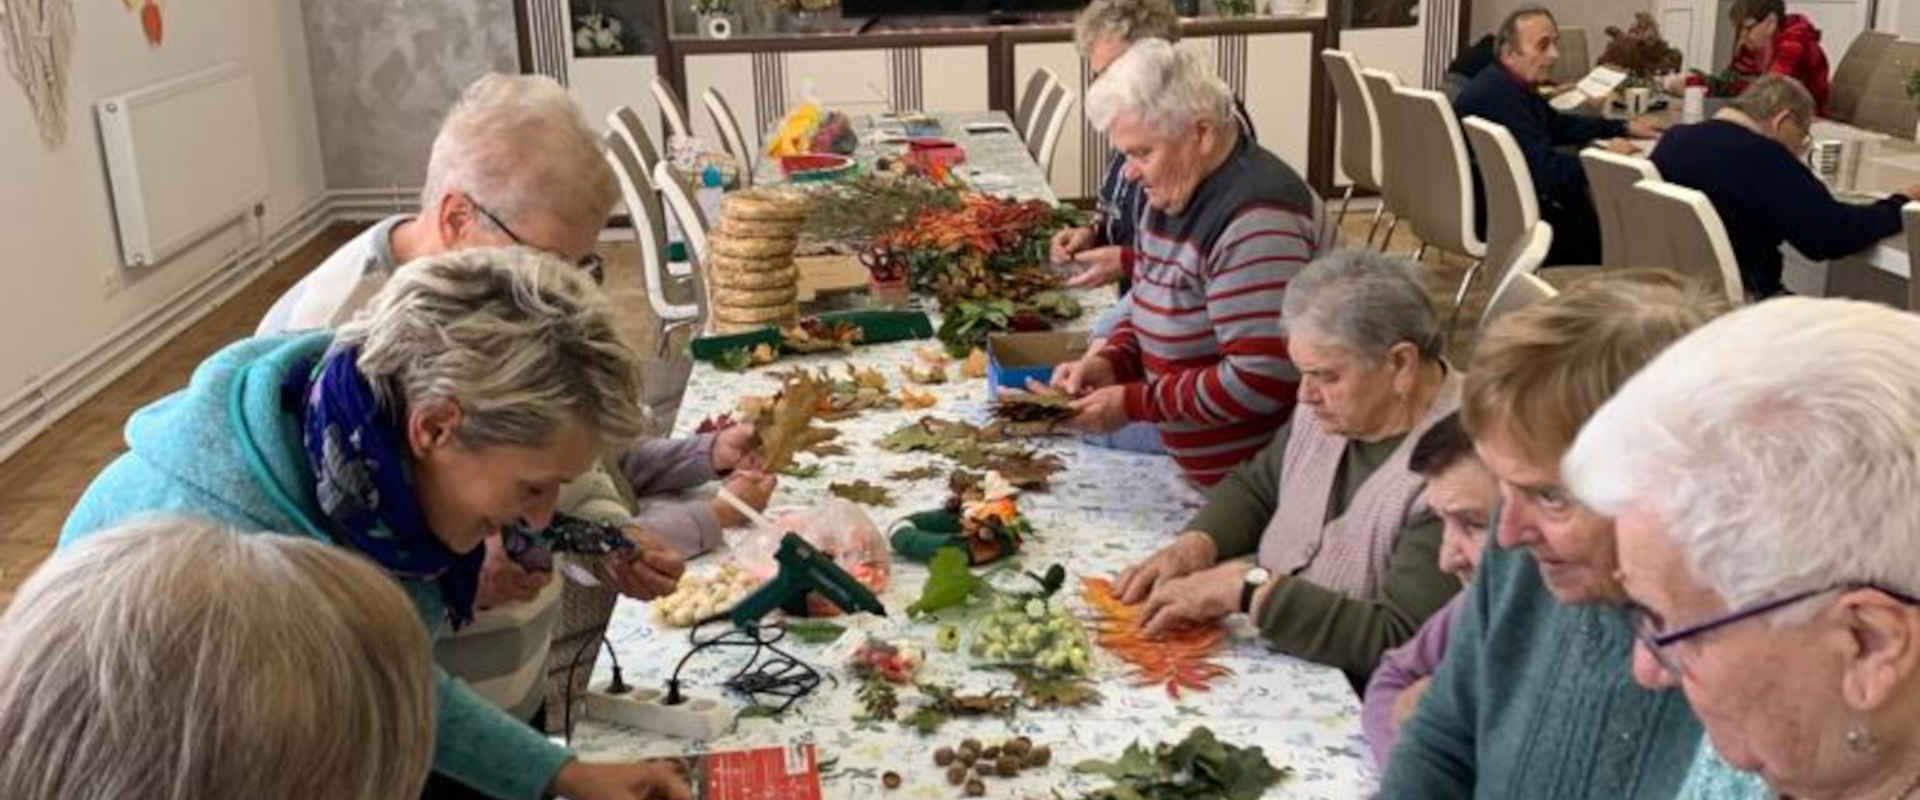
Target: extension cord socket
701	718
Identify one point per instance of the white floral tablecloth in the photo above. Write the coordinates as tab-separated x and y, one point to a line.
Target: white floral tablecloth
997	162
1106	510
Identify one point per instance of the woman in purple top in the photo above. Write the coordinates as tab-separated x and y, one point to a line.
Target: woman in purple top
1463	493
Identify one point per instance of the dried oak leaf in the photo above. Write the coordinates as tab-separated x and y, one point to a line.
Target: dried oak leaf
915	474
1015	405
976	364
914	400
787	427
861	491
924	375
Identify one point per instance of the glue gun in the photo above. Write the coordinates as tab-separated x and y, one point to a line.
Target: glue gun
803	569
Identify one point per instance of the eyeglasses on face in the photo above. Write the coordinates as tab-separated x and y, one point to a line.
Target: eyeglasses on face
591	262
1660	643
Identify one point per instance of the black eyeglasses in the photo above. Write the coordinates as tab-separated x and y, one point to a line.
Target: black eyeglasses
591	262
1657	642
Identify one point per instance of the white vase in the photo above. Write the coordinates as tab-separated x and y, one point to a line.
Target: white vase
719	26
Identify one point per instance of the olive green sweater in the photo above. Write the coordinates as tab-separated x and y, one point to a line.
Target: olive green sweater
1310	621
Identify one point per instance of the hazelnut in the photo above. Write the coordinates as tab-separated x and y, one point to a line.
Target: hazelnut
956	775
1020	746
1039	756
984	769
975	788
1009	766
891	779
991	752
970	744
967	757
943	756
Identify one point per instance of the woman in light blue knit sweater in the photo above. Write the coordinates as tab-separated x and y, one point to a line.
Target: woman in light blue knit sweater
474	386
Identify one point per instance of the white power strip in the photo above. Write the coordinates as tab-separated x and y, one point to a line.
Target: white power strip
695	717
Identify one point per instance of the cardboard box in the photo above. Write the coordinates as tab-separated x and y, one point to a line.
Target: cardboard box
1014	358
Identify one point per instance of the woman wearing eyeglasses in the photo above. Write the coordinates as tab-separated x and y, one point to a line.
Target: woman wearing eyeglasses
1765	480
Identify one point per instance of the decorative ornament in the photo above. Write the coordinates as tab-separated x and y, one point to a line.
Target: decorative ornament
36	38
150	22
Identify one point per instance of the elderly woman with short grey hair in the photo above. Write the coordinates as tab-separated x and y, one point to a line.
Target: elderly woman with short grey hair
1765	484
474	386
1200	352
1344	546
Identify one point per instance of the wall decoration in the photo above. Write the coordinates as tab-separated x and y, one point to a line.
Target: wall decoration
36	38
149	11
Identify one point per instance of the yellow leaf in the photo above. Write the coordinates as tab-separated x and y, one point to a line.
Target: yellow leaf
915	400
976	364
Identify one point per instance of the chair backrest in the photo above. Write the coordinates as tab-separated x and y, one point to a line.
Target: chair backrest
1031	97
686	209
1393	162
626	122
1520	287
649	228
1885	106
1050	123
1441	191
1685	234
1575	59
730	134
671	109
1850	76
1610	179
1513	207
1359	122
1912	214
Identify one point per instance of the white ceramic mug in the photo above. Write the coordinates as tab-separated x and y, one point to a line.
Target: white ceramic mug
1639	100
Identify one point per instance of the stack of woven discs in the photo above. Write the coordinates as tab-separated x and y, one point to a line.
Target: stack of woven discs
751	278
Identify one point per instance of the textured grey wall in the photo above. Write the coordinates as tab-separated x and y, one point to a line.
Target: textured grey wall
384	71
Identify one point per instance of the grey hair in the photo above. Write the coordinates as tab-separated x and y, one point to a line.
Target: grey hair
523	342
173	659
1772	94
1365	300
520	147
1778	447
1506	40
1168	88
1126	20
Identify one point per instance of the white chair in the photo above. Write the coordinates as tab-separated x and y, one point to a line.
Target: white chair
1684	233
1610	180
1031	97
687	211
1439	191
1393	186
1521	287
1359	134
730	135
1049	122
1513	206
671	109
650	239
1911	213
626	122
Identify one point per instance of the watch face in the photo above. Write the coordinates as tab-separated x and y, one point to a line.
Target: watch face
1258	576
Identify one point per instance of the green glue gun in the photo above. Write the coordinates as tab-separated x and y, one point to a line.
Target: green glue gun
804	569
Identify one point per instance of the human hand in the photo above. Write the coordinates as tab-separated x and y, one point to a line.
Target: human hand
642	780
1408	700
1195	599
1068	241
503	581
1621	146
1648	127
1102	411
1190	552
1102	266
733	449
754	488
653	568
1090	372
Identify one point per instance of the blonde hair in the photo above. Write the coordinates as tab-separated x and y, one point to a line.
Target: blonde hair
1541	371
175	659
523	342
1126	20
520	146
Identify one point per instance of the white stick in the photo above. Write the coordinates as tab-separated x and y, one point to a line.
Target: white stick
752	514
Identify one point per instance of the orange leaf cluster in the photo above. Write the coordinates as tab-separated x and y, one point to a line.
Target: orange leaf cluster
1178	659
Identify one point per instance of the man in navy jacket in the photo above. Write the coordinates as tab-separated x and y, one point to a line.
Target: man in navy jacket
1506	92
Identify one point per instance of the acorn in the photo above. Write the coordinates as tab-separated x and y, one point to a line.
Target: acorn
943	756
1019	746
956	775
975	788
991	752
1039	756
1009	766
970	744
891	780
967	757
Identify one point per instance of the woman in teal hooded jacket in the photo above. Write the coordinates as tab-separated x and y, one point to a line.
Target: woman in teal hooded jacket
473	386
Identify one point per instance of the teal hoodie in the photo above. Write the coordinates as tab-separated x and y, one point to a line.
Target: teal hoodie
188	453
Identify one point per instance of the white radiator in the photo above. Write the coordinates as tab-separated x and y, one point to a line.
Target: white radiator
184	158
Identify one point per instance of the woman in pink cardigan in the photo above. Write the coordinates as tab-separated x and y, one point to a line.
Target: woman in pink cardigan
1463	493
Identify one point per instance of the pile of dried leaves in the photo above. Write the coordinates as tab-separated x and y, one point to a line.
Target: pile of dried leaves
861	389
1046	408
989	448
848	215
813	335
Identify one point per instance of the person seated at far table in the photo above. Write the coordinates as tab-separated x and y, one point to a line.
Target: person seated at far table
172	658
1747	161
1344	547
1771	42
1200	352
1463	494
1507	93
1529	700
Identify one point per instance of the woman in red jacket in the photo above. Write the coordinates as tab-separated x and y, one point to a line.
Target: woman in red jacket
1772	42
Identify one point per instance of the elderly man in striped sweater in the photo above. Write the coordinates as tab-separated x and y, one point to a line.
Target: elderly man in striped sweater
1227	224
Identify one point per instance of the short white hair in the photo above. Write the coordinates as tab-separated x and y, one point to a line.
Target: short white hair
1170	89
173	659
1365	300
1778	447
520	147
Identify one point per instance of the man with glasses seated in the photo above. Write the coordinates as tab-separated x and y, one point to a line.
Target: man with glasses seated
1747	160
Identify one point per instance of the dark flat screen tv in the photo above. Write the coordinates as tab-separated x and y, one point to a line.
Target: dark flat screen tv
866	8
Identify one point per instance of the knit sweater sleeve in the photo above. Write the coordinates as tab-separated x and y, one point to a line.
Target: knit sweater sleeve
1260	249
1816	223
478	744
1437	756
1239	506
653	465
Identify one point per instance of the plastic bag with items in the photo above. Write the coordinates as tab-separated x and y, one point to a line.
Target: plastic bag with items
839	528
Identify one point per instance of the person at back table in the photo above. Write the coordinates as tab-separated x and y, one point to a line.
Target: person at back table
1771	42
1507	92
1747	161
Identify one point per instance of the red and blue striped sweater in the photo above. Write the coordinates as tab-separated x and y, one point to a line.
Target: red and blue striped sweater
1201	350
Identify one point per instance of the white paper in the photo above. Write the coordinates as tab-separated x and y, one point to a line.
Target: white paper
1597	84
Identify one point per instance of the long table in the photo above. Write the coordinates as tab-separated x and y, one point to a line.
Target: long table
997	162
1881	272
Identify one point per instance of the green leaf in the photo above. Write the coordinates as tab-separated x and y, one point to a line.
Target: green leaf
949	582
736	360
808	470
861	491
814	631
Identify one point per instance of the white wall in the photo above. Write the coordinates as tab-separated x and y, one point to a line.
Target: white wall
1594	15
59	276
1899	17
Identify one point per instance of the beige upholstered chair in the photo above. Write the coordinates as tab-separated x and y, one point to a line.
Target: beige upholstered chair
1031	97
1380	85
1575	59
1519	286
685	205
1359	133
1912	214
1513	206
1439	196
650	241
671	109
731	136
1610	180
1683	232
1885	107
626	122
1855	69
1049	122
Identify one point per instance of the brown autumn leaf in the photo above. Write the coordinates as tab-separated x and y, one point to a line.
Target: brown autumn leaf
786	427
976	364
912	400
916	474
861	491
924	374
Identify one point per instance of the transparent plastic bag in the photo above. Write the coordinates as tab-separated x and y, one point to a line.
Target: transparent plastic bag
839	528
